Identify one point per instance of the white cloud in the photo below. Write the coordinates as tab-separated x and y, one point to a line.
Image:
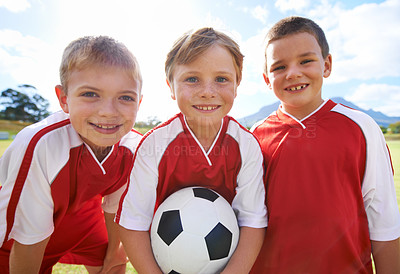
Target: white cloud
288	5
253	50
260	13
380	97
28	60
15	5
364	41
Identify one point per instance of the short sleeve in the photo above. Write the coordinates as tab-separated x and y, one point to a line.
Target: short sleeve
378	188
249	201
33	219
137	205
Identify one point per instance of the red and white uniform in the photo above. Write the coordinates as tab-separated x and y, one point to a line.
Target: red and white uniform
330	190
52	185
170	158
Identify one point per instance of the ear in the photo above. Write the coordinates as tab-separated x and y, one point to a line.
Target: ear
266	79
171	89
62	98
328	66
237	85
141	98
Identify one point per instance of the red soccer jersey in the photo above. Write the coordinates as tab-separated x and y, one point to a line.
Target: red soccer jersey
52	184
170	158
320	193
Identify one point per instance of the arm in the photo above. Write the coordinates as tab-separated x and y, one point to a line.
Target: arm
115	256
386	256
27	258
250	242
137	246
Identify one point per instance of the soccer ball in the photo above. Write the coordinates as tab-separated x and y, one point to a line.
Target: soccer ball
194	231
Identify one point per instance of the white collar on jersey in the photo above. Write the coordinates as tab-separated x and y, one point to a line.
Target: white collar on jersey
198	143
95	158
305	118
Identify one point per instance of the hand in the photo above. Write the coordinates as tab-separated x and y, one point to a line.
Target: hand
116	263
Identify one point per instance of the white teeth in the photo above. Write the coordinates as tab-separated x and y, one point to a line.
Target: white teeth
105	127
297	88
206	108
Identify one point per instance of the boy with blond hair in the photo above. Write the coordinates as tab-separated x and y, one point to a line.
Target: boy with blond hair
329	180
56	173
200	146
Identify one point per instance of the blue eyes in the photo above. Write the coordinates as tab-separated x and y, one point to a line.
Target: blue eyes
221	79
191	80
195	80
91	94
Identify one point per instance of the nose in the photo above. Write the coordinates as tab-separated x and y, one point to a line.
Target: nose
208	90
293	72
108	108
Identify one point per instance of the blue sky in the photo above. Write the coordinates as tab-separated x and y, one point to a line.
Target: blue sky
364	38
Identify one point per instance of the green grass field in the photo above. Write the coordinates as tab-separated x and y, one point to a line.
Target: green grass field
394	146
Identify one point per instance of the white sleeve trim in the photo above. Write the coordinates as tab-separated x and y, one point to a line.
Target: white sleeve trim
139	201
249	201
378	189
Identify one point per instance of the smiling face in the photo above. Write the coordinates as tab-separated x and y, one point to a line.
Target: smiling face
295	72
102	103
205	89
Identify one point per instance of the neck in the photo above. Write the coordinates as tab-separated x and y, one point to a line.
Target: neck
101	153
303	111
205	134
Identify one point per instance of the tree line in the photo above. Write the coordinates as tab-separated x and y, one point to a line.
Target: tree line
23	104
26	105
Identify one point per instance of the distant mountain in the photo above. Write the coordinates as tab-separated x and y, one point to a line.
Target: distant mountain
380	118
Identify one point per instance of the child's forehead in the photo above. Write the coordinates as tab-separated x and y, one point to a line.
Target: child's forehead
293	40
214	58
103	69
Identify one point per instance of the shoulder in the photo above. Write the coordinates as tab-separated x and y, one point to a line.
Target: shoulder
131	140
242	136
156	141
262	122
355	115
40	150
236	129
54	131
165	131
368	126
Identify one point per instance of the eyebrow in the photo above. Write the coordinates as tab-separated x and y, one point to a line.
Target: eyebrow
88	87
309	53
192	72
99	90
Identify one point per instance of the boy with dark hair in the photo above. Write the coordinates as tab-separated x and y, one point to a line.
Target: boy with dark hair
329	180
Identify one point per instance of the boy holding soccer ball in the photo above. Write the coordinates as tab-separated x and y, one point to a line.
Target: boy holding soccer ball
56	172
329	180
200	146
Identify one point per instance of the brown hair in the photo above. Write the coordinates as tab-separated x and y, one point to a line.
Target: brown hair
101	50
293	25
191	45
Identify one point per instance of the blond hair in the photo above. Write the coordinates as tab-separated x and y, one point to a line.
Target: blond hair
192	44
100	50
